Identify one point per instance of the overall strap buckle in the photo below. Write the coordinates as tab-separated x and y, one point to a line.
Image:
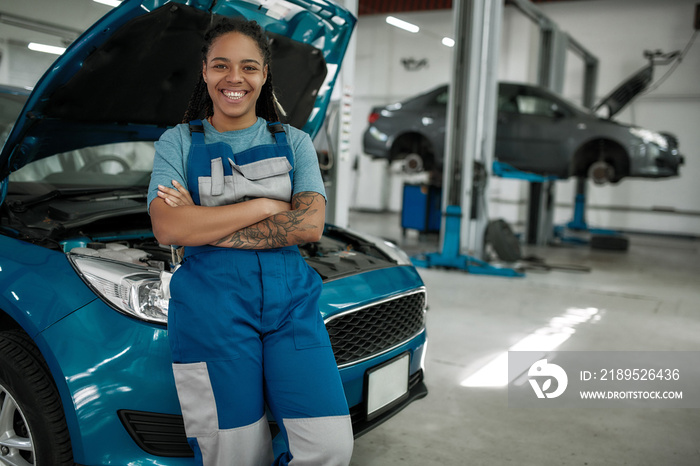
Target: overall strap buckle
275	127
277	130
197	131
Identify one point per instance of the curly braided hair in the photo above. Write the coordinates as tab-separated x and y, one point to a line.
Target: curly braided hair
200	105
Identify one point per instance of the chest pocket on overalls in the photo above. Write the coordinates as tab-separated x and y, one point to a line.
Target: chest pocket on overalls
263	178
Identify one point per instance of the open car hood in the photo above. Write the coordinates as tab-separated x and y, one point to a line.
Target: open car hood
622	95
130	75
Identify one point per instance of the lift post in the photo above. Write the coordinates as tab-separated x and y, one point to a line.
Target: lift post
577	230
554	44
471	128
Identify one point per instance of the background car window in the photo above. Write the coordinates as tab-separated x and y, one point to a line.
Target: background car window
534	105
123	164
507	103
442	98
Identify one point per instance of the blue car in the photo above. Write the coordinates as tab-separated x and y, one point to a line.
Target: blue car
85	366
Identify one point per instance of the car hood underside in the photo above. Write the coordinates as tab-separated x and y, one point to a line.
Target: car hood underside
130	76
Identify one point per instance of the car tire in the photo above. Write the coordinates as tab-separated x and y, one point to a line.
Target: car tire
504	242
30	406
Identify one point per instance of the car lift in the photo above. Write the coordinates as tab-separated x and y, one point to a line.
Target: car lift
472	105
577	230
540	202
473	102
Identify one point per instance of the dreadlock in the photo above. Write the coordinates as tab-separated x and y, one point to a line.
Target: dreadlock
201	106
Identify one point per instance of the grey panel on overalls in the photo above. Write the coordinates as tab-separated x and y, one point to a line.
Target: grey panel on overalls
265	178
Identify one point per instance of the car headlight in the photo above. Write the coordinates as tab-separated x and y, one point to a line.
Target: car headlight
134	290
650	136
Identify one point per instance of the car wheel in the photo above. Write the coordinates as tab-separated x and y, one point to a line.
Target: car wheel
33	429
413	163
415	151
601	172
504	242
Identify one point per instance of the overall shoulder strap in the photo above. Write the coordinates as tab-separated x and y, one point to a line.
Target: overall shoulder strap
278	132
197	131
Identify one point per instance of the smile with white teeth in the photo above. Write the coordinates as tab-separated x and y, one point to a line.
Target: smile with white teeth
234	94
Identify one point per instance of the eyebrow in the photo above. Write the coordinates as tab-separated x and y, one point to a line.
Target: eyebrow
224	59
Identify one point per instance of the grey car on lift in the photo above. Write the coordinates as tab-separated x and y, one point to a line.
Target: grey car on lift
537	131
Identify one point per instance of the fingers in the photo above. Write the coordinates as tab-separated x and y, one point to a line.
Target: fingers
174	197
186	198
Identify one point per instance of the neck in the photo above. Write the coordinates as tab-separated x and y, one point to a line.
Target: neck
223	124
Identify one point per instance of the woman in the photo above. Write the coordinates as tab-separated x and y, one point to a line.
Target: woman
244	326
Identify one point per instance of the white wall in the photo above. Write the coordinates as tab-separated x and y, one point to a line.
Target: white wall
617	32
380	78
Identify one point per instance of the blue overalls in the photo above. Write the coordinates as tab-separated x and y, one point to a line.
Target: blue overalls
245	329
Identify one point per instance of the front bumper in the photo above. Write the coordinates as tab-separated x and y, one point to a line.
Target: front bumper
114	376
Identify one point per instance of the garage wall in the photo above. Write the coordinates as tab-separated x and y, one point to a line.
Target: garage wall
382	78
616	31
613	30
619	36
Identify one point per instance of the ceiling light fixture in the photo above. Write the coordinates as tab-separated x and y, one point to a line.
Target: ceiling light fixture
448	42
402	24
112	3
46	48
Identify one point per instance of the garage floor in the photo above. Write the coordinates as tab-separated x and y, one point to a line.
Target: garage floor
647	298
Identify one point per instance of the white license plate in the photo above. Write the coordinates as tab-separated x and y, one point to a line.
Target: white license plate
387	384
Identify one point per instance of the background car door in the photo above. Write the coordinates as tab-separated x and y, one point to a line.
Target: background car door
532	130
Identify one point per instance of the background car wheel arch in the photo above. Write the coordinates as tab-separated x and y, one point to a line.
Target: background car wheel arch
413	143
603	156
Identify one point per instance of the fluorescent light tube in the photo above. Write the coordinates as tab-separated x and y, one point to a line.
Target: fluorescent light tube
112	3
46	48
402	24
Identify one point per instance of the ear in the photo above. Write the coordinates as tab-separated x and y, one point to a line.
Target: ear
204	71
264	74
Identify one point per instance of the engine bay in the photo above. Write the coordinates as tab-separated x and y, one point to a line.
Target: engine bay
124	234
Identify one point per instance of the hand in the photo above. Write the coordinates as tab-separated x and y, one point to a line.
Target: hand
176	197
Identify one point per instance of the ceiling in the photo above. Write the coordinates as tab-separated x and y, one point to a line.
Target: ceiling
60	22
373	7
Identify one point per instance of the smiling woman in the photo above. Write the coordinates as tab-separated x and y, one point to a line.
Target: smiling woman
87	283
243	315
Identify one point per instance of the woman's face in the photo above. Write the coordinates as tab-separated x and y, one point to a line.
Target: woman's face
235	73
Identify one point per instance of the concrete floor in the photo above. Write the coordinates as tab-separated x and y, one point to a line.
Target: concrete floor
647	298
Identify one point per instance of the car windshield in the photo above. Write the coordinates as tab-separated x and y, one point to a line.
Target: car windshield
124	164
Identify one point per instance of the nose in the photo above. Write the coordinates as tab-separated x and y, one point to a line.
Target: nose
234	75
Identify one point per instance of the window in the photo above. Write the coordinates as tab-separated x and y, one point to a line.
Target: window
533	105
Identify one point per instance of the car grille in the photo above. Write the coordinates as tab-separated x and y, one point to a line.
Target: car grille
368	331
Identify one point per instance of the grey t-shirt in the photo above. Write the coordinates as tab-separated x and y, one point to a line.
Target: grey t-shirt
173	148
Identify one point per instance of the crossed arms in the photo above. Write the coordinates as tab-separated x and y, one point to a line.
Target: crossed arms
255	224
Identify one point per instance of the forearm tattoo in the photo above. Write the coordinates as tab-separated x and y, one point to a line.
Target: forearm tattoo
277	231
